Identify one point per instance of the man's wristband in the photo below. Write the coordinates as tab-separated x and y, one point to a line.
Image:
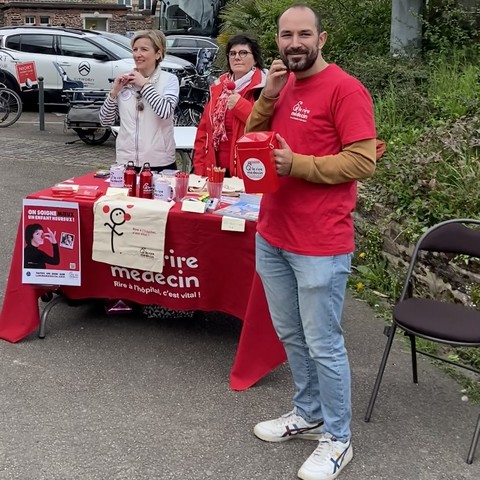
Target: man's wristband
112	96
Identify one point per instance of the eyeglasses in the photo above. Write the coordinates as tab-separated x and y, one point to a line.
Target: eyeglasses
241	53
140	105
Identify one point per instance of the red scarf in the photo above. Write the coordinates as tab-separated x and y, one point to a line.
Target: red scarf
218	117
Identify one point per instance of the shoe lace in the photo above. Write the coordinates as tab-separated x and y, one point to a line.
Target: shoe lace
287	418
324	449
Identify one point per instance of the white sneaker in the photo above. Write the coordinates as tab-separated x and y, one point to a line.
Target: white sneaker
286	427
328	459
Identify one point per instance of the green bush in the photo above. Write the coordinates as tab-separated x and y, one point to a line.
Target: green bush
448	25
434	179
453	87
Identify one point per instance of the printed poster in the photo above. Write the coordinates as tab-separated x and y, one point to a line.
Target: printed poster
27	75
51	243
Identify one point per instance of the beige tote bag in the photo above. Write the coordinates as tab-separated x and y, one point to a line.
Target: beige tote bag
130	232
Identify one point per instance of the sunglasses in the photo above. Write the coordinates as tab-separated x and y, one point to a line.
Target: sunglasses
241	53
140	105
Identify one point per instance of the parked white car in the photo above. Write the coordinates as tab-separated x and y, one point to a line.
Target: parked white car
86	56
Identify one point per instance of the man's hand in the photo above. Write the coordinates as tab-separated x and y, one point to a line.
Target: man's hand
283	157
232	100
276	79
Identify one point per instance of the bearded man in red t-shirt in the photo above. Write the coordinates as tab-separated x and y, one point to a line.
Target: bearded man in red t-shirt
326	131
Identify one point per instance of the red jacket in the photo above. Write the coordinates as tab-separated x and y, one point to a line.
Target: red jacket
204	153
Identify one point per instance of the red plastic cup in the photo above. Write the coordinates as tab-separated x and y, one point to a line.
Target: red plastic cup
181	187
215	189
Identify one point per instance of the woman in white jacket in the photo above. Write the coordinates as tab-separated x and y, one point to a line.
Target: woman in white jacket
144	100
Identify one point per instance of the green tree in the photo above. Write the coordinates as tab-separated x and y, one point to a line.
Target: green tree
354	27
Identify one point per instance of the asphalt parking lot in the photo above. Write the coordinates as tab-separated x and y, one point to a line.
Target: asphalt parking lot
126	397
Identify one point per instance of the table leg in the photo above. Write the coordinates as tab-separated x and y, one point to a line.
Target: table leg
46	311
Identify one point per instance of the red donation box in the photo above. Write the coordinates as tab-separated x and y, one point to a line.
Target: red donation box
255	155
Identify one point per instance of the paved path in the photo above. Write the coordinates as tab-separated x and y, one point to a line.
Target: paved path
130	398
52	144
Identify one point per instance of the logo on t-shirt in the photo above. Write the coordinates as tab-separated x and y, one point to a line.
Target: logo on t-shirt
299	112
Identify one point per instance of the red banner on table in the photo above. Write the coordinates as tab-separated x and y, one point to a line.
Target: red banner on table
51	243
27	75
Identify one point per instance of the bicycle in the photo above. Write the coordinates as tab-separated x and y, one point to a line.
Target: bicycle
10	106
187	115
194	94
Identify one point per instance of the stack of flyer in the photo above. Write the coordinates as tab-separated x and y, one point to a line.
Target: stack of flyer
247	207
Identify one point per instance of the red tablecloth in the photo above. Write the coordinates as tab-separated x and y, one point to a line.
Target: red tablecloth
225	274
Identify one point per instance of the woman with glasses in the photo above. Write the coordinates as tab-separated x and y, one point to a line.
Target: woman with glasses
144	100
231	100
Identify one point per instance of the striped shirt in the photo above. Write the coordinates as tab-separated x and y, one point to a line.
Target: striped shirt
163	105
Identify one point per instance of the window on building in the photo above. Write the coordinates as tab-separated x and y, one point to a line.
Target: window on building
29	20
144	4
127	3
44	20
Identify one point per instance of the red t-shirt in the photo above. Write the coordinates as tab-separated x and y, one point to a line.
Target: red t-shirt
317	116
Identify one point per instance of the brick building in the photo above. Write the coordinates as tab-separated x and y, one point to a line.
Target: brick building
120	16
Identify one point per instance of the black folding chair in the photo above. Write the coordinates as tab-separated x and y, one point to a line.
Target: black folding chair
437	320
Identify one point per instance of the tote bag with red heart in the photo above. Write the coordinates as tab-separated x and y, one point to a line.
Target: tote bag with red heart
130	232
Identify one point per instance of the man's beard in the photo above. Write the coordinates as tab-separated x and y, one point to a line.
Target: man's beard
302	64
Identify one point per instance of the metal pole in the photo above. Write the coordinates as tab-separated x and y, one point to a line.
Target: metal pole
41	104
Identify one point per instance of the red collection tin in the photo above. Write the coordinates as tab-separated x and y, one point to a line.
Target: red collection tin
254	152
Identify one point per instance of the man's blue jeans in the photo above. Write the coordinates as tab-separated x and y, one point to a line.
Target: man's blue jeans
305	296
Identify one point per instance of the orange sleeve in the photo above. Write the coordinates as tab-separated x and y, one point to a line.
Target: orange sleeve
259	119
354	162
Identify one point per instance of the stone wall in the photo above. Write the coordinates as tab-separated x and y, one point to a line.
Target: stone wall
437	275
120	19
70	18
139	21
